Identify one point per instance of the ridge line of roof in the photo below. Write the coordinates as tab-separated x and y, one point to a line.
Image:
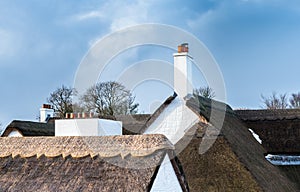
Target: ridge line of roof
104	146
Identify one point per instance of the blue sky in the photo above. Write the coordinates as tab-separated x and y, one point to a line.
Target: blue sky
255	42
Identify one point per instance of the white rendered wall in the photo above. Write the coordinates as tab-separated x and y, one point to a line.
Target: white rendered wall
15	134
182	74
44	113
255	136
166	179
87	127
285	160
174	121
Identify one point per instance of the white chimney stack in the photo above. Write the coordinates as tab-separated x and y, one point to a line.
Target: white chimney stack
46	112
183	71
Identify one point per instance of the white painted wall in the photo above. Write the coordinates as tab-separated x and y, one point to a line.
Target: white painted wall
15	133
182	74
166	179
174	121
255	136
283	159
87	127
44	113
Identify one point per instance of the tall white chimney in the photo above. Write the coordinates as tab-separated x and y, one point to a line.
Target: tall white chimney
46	112
183	71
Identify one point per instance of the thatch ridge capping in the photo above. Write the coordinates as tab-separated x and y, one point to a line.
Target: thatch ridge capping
268	114
76	147
30	128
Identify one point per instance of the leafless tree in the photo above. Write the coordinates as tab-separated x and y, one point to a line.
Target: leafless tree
295	100
275	102
206	92
61	99
109	98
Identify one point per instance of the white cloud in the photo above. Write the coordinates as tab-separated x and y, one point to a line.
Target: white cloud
129	15
90	15
119	13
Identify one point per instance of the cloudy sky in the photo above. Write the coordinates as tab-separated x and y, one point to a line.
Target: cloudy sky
255	43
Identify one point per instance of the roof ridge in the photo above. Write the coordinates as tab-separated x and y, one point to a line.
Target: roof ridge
76	147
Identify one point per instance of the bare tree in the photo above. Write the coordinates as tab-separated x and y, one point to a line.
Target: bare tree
109	98
295	100
275	102
206	92
61	99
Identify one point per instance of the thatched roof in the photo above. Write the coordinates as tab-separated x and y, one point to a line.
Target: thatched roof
108	146
268	114
235	162
112	163
29	128
292	172
278	129
132	124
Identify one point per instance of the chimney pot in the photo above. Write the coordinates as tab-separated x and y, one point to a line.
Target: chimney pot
46	106
183	48
46	111
91	114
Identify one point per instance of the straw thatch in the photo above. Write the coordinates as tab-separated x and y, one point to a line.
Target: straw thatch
278	129
219	169
29	128
132	124
292	172
114	163
268	114
235	162
108	146
70	174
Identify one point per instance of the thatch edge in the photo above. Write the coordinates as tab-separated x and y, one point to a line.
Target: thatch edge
76	147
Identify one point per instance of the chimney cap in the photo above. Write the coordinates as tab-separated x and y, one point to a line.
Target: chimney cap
47	106
184	47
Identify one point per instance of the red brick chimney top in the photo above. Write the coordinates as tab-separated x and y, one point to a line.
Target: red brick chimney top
183	48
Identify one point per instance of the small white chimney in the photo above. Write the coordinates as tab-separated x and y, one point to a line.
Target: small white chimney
46	112
183	71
